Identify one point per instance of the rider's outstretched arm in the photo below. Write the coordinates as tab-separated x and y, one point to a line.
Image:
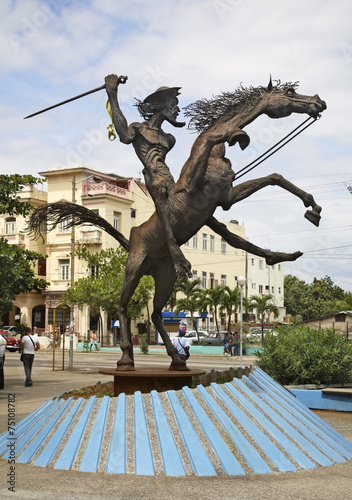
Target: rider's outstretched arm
125	133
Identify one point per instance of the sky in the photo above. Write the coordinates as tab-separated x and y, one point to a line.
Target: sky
52	50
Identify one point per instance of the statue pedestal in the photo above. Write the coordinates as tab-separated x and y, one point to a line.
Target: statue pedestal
150	379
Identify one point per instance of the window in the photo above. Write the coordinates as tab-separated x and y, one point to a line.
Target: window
260	288
64	269
10	225
133	213
223	246
267	288
205	241
254	286
260	264
41	266
252	262
194	274
94	271
212	243
187	244
223	280
64	226
195	241
211	277
279	289
204	279
279	267
272	289
116	221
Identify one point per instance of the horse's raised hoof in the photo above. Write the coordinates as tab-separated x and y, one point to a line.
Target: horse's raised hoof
313	216
178	366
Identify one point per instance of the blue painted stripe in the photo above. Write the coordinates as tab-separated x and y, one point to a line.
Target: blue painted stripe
117	457
226	458
276	434
297	436
68	454
337	441
250	455
23	424
170	455
50	449
200	461
91	457
36	443
306	427
269	448
25	438
143	457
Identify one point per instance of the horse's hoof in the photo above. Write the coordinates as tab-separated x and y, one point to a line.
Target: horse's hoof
313	217
125	366
178	366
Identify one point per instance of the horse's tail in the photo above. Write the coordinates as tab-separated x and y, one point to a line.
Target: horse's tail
46	218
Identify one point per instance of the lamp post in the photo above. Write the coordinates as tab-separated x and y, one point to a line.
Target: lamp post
241	281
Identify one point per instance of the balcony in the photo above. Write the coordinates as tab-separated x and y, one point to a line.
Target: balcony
16	239
103	188
92	236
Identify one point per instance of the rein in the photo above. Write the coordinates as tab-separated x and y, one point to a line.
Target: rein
274	148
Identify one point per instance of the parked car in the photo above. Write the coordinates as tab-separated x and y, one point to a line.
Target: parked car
254	335
213	339
192	334
13	339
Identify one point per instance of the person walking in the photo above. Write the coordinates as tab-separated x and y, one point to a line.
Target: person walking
93	341
2	359
29	344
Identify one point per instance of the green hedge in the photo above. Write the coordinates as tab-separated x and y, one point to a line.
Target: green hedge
303	355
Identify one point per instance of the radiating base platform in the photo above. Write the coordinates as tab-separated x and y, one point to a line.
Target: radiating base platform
146	380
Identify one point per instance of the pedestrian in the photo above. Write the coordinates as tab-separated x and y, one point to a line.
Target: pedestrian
93	341
226	343
182	345
237	339
231	341
29	344
51	340
2	359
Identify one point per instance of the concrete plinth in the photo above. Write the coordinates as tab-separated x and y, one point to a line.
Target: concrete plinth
146	380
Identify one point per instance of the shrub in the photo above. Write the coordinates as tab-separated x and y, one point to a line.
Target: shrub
144	343
303	355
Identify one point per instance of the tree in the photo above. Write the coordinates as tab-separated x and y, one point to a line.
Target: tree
304	355
102	289
190	302
16	265
263	305
230	302
318	299
210	300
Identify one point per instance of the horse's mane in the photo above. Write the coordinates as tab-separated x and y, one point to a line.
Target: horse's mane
204	112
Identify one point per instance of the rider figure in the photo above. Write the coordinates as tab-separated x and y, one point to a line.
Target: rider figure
151	145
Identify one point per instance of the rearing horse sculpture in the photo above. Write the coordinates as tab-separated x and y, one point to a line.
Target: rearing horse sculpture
205	183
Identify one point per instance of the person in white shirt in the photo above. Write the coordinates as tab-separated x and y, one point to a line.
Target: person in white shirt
2	359
182	344
29	344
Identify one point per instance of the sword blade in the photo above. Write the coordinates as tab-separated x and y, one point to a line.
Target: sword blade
65	102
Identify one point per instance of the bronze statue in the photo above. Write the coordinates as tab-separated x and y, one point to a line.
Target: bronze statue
205	183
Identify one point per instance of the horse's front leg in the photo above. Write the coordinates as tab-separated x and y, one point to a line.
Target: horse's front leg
245	189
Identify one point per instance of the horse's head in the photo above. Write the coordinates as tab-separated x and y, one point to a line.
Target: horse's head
283	100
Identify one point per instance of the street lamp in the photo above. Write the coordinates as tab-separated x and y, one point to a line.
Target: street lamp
241	282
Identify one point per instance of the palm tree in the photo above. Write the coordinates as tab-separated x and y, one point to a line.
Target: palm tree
263	305
192	292
178	287
230	303
211	300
